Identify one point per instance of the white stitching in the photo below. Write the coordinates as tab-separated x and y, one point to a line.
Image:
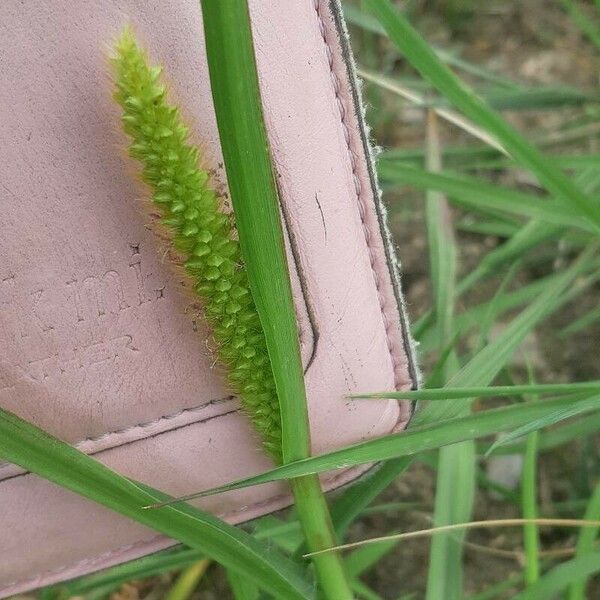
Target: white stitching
132	433
398	380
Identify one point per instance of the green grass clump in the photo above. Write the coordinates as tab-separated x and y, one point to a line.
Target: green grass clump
201	232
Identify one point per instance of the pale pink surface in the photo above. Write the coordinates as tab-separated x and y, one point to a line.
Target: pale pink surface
96	337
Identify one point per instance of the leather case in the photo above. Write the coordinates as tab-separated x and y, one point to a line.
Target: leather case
98	344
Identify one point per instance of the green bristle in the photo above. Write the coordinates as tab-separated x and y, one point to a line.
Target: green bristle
200	231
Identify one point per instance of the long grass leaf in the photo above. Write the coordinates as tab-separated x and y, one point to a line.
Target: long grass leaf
445	113
585	543
241	588
583	322
29	447
473	194
560	415
456	473
551	584
529	509
493	391
488	362
359	495
187	581
583	22
490	523
411	442
111	579
558	436
528	237
505	302
455	492
440	238
420	55
355	16
475	157
253	188
255	199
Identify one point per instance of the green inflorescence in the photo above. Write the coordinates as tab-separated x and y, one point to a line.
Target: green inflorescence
201	232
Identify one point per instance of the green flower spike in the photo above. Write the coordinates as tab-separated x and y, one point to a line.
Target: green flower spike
201	233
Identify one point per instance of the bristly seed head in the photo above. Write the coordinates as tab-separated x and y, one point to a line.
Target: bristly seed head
190	209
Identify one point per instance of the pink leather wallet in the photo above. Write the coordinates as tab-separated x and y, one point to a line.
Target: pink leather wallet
98	345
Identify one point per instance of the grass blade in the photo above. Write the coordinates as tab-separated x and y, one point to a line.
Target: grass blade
586	542
560	415
356	17
529	509
255	199
487	392
241	588
360	494
558	436
487	363
440	238
531	540
447	114
475	194
582	21
534	98
411	442
424	60
187	581
475	157
29	447
454	498
455	487
251	178
528	237
583	322
558	579
103	583
507	301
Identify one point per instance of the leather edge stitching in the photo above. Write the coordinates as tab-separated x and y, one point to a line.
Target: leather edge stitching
133	433
408	344
358	190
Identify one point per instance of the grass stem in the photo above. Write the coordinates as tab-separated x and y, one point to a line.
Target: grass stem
529	509
251	178
188	581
